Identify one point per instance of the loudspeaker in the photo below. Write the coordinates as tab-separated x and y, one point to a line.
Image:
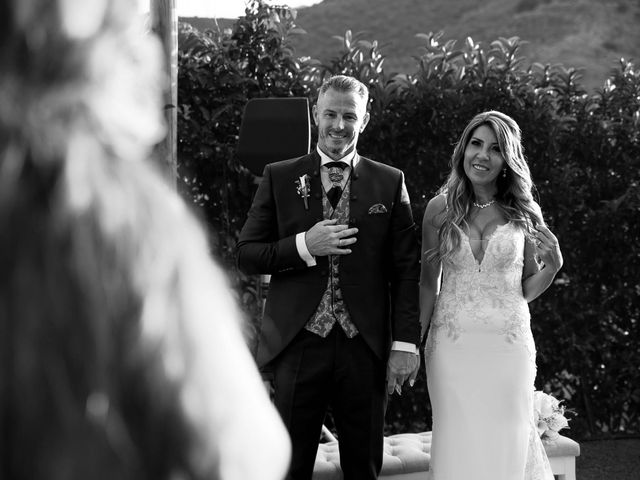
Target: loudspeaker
273	129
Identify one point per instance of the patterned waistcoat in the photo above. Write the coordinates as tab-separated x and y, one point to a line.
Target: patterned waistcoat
332	308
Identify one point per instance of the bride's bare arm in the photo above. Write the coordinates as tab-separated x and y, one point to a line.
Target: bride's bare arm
430	270
546	248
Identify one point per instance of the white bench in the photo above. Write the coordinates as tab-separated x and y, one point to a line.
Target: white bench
407	456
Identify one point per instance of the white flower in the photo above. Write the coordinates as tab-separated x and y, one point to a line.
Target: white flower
545	404
303	187
557	422
548	416
542	427
303	182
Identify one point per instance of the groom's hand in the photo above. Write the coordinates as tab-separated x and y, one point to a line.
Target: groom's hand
329	238
400	368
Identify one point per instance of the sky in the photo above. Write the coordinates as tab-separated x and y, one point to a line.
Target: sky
222	8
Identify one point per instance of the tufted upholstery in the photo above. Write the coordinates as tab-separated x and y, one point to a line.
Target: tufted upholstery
407	456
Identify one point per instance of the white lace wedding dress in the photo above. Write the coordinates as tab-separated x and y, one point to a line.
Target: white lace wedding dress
480	359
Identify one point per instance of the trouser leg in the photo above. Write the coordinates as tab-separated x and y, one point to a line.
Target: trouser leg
359	406
302	379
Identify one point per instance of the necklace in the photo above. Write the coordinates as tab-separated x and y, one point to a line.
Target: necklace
484	205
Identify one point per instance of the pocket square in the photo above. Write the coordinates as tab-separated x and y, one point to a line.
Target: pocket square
377	209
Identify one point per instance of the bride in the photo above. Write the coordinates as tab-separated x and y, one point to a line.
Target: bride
486	254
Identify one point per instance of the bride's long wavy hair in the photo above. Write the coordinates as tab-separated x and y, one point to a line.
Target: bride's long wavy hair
515	189
116	327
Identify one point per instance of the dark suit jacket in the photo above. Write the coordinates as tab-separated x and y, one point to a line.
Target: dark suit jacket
379	279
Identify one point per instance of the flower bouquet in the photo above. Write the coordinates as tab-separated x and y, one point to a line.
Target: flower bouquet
549	416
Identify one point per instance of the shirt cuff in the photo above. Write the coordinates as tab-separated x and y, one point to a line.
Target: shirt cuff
301	245
404	347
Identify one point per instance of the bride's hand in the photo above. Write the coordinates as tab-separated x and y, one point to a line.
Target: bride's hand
400	368
414	374
548	248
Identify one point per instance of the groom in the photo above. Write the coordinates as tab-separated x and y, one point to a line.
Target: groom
340	327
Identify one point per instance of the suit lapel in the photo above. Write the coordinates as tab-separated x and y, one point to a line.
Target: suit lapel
358	204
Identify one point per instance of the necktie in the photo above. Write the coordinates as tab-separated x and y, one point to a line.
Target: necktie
336	174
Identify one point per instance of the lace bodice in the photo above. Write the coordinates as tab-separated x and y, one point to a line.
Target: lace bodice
484	297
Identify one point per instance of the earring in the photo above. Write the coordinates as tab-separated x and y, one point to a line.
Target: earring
504	173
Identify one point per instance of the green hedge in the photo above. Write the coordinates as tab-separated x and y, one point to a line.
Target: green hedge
583	149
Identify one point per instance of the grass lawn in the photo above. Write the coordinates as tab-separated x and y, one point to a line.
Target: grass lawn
609	460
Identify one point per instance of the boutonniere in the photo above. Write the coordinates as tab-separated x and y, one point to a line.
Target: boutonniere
303	187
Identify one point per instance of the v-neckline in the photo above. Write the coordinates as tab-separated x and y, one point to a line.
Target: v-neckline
487	239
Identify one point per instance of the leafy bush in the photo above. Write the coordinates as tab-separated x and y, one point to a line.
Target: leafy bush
583	149
217	73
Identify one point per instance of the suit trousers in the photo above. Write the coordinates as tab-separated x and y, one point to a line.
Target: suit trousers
314	374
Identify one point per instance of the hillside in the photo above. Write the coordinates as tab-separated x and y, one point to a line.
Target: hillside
588	34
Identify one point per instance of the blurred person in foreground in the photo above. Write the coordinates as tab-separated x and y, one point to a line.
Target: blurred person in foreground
121	351
487	253
340	328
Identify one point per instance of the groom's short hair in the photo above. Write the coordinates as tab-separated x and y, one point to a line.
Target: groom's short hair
346	84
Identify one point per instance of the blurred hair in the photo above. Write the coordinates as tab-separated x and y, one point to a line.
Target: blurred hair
515	190
121	353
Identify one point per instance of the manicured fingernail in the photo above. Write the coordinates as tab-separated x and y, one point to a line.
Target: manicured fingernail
411	382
